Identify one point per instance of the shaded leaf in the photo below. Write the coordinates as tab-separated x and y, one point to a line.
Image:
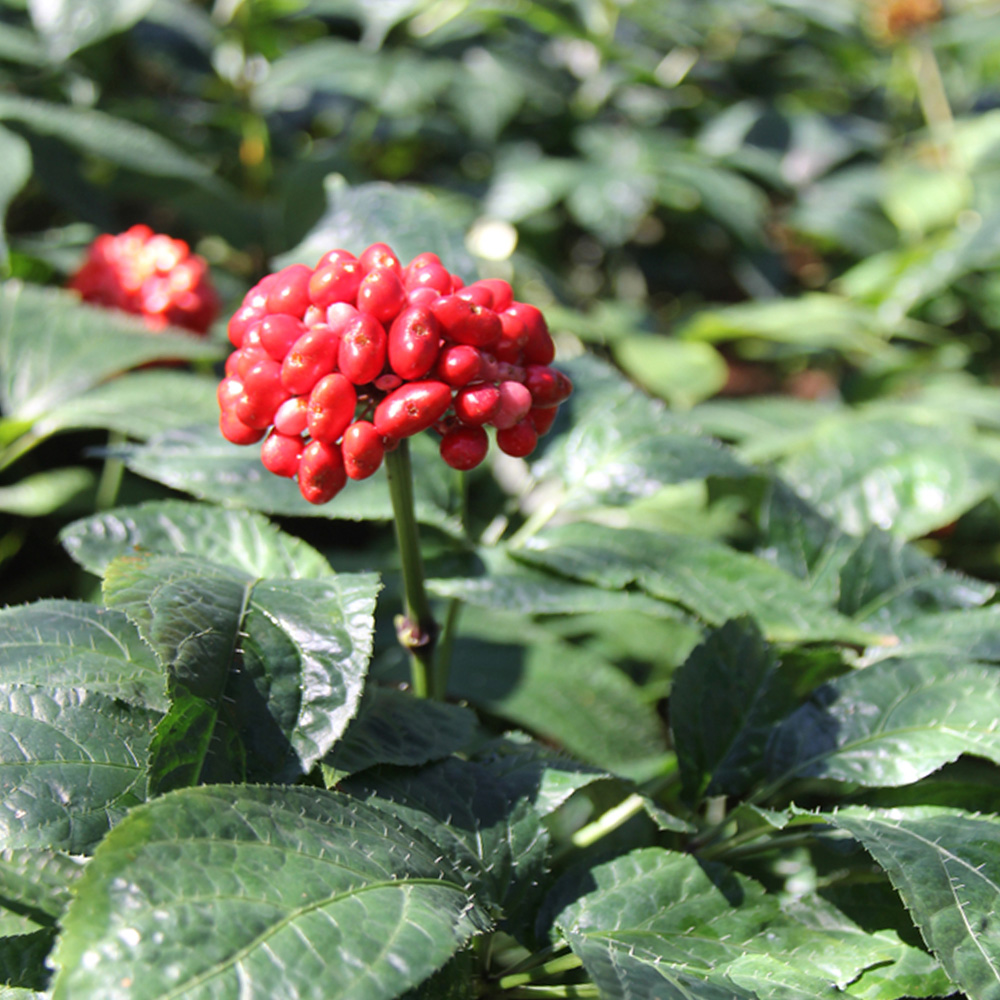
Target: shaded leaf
217	890
68	25
243	540
891	723
53	347
708	578
264	674
45	492
15	154
79	645
681	372
946	867
201	462
724	702
394	727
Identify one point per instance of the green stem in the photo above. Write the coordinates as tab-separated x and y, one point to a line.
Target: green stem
540	957
21	446
111	474
564	963
442	659
532	992
416	628
932	97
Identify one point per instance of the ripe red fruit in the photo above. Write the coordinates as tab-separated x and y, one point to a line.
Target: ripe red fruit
519	440
362	352
459	364
280	454
239	322
246	357
381	294
263	393
331	255
290	291
311	357
337	281
548	386
515	402
412	408
380	255
477	404
277	333
321	472
464	447
537	342
465	322
234	430
292	417
502	293
427	276
331	407
414	338
363	450
543	419
230	389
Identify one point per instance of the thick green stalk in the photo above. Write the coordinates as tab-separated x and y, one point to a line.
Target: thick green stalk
416	628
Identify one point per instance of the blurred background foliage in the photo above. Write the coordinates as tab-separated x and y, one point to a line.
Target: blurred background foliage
781	216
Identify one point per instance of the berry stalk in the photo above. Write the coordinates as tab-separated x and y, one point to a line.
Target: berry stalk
416	628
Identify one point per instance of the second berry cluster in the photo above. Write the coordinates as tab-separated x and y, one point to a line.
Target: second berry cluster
335	365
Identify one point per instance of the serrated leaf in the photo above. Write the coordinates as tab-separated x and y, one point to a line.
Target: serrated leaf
201	462
394	727
124	405
658	923
54	348
78	645
243	540
563	692
891	474
478	823
38	882
15	154
45	492
101	134
22	958
73	761
611	462
410	219
891	723
971	634
69	25
946	867
269	891
706	577
724	702
264	674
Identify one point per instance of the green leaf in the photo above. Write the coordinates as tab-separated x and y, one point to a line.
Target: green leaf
724	702
602	461
38	882
123	405
971	634
77	645
891	474
681	372
394	727
657	923
15	154
269	891
563	692
45	492
73	762
22	958
68	25
201	462
101	134
243	540
891	723
946	867
410	219
54	348
264	674
708	578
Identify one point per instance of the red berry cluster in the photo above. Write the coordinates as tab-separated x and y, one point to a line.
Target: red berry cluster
149	274
342	361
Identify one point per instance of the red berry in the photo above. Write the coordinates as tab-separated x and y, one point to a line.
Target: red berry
311	357
362	352
363	449
542	419
234	430
427	276
548	386
292	417
290	291
412	408
387	382
337	281
278	332
263	393
321	472
422	260
477	404
280	454
422	296
413	342
239	322
381	294
515	402
537	344
464	447
229	390
331	408
380	255
519	440
331	255
478	294
459	364
246	357
465	322
501	291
